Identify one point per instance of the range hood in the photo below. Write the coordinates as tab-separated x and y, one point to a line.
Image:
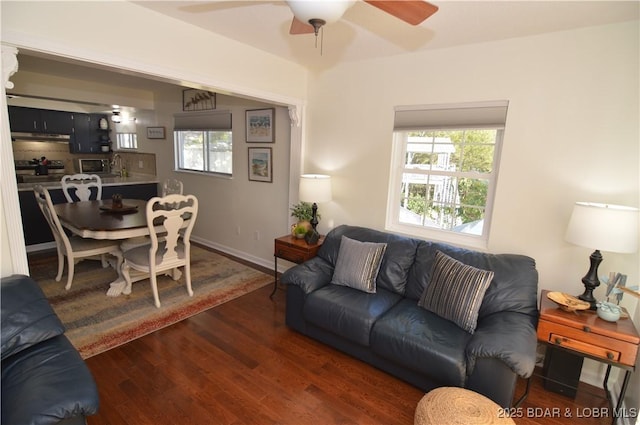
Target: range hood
40	137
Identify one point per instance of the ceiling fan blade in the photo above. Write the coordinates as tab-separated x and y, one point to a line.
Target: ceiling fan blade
411	11
299	27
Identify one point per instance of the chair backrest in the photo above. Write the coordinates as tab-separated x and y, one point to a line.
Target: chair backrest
46	206
176	214
81	185
171	186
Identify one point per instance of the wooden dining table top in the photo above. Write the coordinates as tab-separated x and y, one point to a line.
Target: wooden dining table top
96	219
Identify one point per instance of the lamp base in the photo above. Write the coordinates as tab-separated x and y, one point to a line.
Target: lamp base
590	280
312	237
314	216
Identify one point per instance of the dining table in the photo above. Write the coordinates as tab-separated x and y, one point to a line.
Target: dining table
98	219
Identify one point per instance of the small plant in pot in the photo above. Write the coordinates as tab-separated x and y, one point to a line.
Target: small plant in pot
299	230
303	211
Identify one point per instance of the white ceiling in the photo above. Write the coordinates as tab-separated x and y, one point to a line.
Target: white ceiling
366	32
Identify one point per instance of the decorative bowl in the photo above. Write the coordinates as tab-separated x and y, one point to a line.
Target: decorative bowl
608	311
568	302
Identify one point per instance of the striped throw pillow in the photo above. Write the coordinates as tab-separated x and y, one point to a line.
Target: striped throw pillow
358	264
455	291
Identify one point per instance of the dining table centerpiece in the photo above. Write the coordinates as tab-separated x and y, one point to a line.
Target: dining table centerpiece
116	201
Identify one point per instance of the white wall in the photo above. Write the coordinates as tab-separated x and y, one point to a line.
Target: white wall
232	210
572	134
146	40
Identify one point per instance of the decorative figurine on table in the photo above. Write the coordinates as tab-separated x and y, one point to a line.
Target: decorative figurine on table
116	201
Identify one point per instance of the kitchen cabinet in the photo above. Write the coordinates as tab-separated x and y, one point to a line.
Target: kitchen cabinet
35	227
33	120
87	135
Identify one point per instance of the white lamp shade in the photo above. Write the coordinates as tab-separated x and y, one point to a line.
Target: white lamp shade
328	10
315	188
604	227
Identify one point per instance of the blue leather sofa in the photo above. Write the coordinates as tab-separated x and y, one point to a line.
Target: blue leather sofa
44	379
389	330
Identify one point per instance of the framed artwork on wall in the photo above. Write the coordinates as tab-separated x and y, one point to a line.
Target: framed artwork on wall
260	125
155	133
260	165
198	100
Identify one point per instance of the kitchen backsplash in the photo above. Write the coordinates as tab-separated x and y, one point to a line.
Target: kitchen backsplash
136	163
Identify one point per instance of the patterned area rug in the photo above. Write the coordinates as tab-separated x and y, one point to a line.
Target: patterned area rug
96	323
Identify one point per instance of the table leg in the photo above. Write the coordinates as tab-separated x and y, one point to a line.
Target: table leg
623	390
275	276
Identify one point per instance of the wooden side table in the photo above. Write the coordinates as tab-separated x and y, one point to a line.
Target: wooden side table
584	334
292	249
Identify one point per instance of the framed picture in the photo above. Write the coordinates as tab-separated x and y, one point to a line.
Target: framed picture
261	125
198	100
155	133
260	165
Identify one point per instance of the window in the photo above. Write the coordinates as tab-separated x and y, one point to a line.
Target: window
126	141
126	137
208	151
443	172
204	142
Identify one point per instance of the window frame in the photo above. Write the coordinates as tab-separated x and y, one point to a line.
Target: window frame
179	153
398	168
132	134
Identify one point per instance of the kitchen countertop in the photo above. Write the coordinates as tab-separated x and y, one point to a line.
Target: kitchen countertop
106	181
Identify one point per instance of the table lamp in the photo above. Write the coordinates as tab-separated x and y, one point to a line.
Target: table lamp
612	228
314	188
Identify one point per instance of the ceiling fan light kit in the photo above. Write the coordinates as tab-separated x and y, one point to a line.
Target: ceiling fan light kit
329	11
309	16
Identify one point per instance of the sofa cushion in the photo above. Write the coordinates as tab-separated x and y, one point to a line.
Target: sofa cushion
515	281
358	264
398	257
26	315
347	312
421	340
456	291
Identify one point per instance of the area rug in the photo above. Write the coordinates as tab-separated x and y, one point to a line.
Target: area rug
96	323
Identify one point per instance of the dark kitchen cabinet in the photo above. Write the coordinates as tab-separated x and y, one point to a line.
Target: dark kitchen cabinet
87	135
33	120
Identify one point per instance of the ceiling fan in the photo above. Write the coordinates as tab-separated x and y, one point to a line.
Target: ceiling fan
310	16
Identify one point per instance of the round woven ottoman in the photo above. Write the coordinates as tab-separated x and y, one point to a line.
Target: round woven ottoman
458	406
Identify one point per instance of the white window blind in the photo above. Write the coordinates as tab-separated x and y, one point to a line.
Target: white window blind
219	121
465	115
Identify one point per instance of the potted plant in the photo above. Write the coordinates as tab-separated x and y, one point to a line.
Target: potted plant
299	230
304	213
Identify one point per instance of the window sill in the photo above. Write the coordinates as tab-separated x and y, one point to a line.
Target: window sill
457	239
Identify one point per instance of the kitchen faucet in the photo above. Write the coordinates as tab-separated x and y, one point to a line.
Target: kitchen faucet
116	164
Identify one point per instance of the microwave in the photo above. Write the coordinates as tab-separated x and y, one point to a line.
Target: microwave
94	166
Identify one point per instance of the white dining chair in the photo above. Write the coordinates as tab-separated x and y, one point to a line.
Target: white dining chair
172	186
170	246
81	185
74	248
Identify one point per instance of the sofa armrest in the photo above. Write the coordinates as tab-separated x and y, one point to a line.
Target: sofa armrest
507	336
310	275
25	314
47	383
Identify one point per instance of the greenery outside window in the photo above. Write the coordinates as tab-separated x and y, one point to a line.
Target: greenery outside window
204	150
444	170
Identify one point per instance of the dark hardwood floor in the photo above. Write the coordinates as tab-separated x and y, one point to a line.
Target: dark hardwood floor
239	364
